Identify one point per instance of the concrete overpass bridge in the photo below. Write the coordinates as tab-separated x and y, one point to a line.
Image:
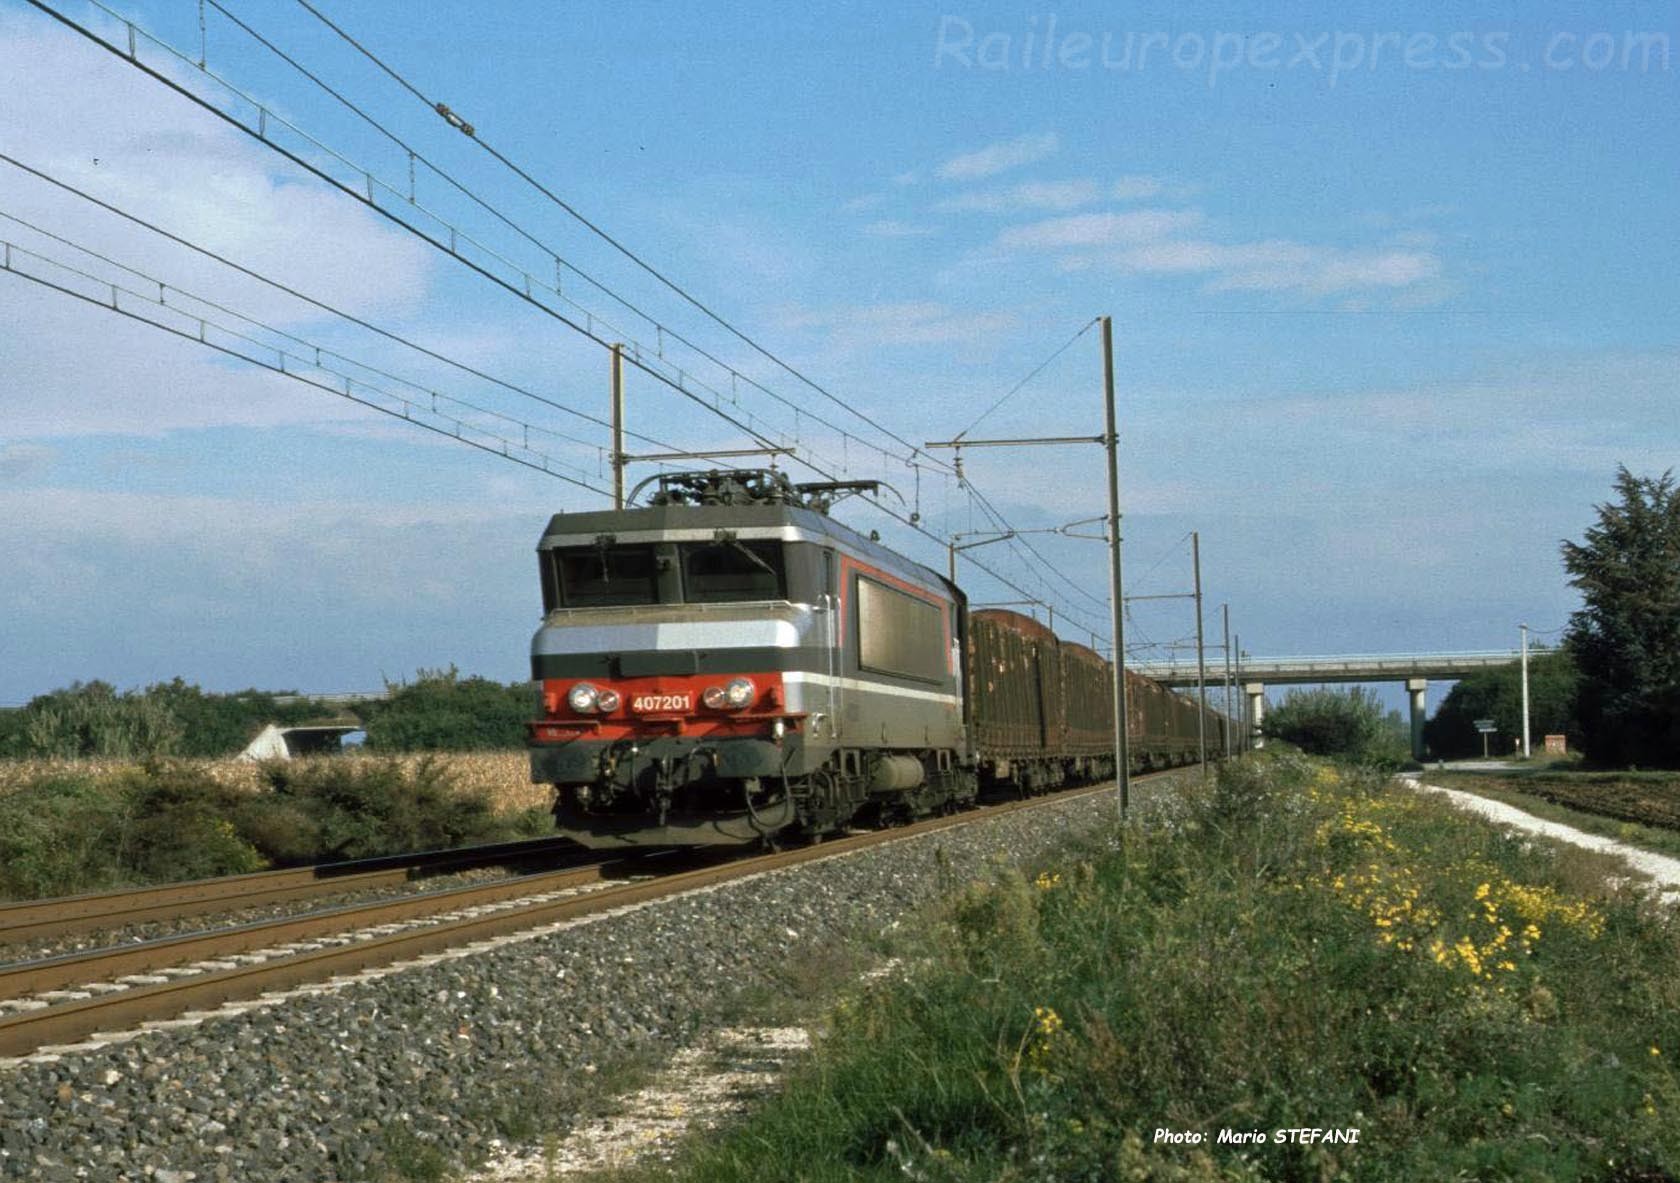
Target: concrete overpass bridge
1414	669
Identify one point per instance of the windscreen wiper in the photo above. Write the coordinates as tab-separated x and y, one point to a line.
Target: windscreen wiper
728	538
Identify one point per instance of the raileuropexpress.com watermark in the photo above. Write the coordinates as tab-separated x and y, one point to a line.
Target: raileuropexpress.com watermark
1048	44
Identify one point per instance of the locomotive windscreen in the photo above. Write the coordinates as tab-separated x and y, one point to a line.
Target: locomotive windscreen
603	576
615	575
727	572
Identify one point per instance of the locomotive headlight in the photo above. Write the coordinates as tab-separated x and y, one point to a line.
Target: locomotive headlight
739	693
713	697
582	698
606	701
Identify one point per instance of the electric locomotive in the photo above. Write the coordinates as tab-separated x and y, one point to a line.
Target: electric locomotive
727	664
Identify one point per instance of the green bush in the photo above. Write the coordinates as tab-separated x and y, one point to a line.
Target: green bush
440	711
92	719
181	826
60	835
284	829
1343	725
166	821
222	724
362	808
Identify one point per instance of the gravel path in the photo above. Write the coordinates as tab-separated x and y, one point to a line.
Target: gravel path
720	1077
428	1067
1663	870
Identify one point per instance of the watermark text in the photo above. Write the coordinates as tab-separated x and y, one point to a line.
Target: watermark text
1047	44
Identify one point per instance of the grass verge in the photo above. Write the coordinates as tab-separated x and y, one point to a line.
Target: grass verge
1298	947
1511	792
1645	798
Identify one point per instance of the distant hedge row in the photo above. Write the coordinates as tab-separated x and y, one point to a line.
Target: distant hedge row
438	711
163	821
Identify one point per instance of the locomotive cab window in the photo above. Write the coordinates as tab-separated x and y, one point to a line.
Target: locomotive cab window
733	571
606	576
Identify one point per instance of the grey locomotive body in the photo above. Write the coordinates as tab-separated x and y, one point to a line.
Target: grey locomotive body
729	663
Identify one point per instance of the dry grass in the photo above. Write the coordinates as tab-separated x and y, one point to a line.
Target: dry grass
502	776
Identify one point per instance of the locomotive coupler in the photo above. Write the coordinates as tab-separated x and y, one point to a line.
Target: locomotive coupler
663	790
606	767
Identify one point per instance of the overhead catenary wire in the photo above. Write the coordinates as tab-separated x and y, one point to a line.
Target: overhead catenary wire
1142	580
524	292
266	119
1035	372
613	242
1020	539
414	155
423	391
295	293
1002	527
109	300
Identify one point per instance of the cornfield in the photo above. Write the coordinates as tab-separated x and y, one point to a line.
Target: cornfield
504	777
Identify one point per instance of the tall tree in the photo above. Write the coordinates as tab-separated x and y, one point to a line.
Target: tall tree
1496	694
1626	636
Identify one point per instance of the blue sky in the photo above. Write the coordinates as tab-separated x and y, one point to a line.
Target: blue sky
1393	295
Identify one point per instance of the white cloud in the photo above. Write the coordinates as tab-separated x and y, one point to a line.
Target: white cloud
222	547
1135	188
22	462
69	369
1150	242
924	322
999	157
1281	265
80	115
1029	195
138	587
1416	238
1097	230
893	228
1558	413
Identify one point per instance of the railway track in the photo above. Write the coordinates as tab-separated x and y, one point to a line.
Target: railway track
25	979
67	915
209	969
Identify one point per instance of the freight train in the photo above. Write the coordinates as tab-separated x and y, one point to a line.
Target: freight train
730	665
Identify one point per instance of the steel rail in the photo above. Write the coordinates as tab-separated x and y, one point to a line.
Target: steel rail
66	1022
22	978
62	915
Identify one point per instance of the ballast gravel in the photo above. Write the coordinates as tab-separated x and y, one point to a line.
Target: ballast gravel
429	1067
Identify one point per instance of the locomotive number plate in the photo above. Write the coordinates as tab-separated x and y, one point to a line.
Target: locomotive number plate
648	703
